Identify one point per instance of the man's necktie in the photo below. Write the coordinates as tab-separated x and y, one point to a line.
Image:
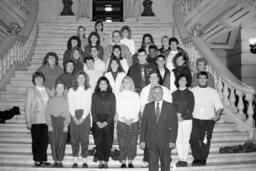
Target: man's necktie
157	112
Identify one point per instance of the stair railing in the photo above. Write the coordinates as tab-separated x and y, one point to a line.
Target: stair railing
15	49
237	97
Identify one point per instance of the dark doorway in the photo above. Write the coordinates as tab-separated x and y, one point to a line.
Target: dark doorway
108	9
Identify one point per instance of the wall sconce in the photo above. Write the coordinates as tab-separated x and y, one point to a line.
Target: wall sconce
108	8
253	45
108	20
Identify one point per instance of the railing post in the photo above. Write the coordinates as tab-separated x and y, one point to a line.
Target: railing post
250	112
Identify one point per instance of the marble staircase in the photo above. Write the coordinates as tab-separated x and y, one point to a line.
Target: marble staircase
15	138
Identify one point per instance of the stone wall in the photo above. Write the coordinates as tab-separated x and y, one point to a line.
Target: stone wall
49	10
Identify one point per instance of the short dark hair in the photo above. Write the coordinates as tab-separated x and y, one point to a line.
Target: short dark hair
142	50
202	73
116	31
178	79
88	58
153	47
36	75
173	39
160	56
60	82
66	63
51	54
97	87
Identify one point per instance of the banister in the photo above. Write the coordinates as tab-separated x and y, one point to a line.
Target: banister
25	31
204	49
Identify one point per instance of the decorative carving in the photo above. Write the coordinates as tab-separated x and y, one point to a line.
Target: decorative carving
147	8
14	28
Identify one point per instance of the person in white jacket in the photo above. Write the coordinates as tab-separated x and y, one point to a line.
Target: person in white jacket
115	74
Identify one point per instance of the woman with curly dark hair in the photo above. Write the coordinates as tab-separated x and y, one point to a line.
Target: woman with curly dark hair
94	40
79	104
181	64
73	41
103	111
51	71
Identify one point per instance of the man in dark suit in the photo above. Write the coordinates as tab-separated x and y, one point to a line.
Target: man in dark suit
158	132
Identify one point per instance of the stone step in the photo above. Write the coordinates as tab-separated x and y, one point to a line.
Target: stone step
214	158
26	147
7	94
25	136
219	128
227	166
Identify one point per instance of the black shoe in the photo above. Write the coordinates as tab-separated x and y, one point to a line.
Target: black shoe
179	164
75	165
46	164
123	165
55	164
60	165
130	165
196	162
184	164
203	162
85	165
37	164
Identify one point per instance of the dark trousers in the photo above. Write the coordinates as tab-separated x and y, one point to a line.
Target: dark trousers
58	138
39	133
159	153
103	138
145	155
127	139
200	139
80	134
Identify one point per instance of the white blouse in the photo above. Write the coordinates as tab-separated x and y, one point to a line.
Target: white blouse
79	99
128	105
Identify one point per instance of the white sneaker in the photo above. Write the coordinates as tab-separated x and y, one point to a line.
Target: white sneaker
144	164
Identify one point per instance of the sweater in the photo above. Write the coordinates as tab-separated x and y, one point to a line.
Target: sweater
57	106
184	102
103	103
50	74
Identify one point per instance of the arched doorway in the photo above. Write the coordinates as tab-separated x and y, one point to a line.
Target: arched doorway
108	10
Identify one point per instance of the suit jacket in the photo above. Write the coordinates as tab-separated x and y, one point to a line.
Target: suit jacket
35	107
161	133
166	75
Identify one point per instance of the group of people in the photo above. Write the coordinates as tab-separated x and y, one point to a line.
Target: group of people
107	86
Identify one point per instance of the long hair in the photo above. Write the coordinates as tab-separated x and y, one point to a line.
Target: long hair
95	26
128	30
69	45
143	40
117	47
97	87
51	54
78	31
80	51
86	82
132	86
119	69
93	34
